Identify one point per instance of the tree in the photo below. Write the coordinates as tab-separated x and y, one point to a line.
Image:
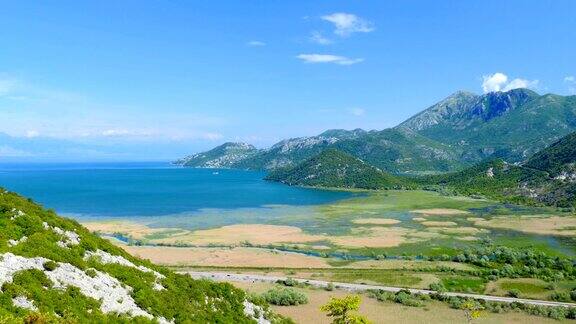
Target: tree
471	310
344	310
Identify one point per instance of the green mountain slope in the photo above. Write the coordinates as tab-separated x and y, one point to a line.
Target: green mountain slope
558	159
512	125
52	270
333	168
226	155
495	179
548	177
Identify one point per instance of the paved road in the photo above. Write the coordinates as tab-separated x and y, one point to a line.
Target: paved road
222	276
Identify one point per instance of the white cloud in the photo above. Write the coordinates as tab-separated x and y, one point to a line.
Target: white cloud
494	82
120	132
211	136
32	133
256	43
326	58
570	78
347	24
499	82
318	38
358	112
115	132
521	83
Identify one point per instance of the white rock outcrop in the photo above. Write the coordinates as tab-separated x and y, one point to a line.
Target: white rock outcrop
255	312
16	213
10	264
490	173
13	243
23	302
70	238
107	258
114	296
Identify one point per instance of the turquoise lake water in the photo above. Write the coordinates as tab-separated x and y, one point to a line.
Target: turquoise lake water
158	192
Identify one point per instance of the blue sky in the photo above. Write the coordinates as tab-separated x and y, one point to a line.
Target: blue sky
143	80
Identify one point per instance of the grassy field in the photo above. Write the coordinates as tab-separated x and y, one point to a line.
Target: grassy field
410	274
382	238
386	312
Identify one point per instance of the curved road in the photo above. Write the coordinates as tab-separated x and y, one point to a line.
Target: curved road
222	276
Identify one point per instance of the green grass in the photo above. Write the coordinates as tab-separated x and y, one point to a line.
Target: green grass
524	287
399	200
391	278
464	284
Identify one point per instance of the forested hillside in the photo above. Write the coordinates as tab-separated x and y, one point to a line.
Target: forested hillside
333	168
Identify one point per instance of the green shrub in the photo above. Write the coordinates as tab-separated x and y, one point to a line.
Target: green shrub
403	297
514	293
50	265
91	273
289	282
438	287
561	296
557	313
329	287
283	296
551	286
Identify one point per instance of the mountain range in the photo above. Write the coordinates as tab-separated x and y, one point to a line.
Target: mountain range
459	131
546	178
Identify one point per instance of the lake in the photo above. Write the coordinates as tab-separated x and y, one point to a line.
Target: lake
89	191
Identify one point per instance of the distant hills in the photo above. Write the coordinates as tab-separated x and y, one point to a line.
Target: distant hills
457	132
223	156
393	150
333	168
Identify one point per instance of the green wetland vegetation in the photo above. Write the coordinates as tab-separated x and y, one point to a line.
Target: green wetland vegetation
527	262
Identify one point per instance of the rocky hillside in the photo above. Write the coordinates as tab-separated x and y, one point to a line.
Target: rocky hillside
459	131
224	156
333	168
52	270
